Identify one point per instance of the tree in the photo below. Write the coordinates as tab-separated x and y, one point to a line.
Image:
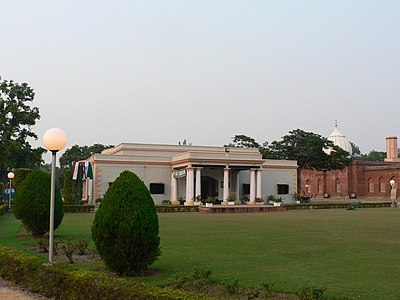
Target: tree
125	228
243	141
32	203
16	119
373	156
76	153
307	149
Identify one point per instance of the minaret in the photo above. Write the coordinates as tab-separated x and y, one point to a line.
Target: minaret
391	149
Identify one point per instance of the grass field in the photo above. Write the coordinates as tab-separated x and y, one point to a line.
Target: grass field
351	254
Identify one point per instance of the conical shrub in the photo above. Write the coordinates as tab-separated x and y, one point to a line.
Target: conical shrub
32	203
125	229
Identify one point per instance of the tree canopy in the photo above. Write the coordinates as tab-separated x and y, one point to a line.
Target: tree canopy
16	119
77	153
243	141
308	149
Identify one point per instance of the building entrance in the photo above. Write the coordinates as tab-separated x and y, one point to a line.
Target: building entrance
209	187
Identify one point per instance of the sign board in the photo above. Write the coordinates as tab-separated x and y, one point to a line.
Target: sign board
6	193
179	173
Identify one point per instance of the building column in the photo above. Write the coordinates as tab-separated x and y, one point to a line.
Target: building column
259	183
174	189
237	185
226	186
189	186
252	186
198	182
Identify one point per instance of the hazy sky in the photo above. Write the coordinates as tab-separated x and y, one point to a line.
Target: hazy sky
163	71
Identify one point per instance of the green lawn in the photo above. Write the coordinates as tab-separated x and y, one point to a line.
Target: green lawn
349	253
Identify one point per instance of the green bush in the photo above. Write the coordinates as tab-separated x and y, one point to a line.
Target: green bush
59	281
32	203
19	175
125	228
68	195
3	209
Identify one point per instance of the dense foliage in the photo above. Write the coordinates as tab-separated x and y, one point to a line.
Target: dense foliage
125	229
32	203
19	175
77	153
62	282
307	149
16	120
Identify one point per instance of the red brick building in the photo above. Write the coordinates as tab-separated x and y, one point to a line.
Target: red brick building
364	178
361	178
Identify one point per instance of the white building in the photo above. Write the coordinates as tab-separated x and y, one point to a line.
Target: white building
181	172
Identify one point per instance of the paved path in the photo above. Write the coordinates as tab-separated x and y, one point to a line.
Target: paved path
12	292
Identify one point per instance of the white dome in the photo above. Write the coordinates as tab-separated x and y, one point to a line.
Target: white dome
339	140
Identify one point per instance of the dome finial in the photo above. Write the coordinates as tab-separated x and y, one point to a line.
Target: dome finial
335	123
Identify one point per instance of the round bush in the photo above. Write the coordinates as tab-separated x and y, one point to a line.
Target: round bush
32	203
125	228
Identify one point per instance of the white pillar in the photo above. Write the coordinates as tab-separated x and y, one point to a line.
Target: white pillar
189	186
174	189
226	186
252	186
259	184
237	186
198	182
90	191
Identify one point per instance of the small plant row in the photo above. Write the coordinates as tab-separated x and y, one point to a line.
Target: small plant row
63	282
3	209
67	247
78	208
337	205
176	208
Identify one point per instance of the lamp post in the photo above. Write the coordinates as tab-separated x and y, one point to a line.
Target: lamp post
393	192
54	140
10	176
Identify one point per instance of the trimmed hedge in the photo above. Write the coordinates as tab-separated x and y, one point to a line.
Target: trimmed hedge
60	281
176	208
78	208
337	205
3	209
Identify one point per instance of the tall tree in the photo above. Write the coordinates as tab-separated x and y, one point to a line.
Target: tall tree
16	119
73	189
243	141
307	149
373	156
77	153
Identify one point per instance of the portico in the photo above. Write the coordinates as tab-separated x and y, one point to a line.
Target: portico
224	167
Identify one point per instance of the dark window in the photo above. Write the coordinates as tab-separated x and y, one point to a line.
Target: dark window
156	188
246	188
283	189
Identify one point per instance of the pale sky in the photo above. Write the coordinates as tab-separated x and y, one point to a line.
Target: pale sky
163	71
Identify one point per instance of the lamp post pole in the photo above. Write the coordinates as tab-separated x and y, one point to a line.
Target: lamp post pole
10	176
54	140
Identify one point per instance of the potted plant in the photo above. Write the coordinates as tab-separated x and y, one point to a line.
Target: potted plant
297	197
231	200
197	200
259	200
276	200
210	201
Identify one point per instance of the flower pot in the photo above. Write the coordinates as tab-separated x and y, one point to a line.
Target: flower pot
231	202
277	203
209	204
297	201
